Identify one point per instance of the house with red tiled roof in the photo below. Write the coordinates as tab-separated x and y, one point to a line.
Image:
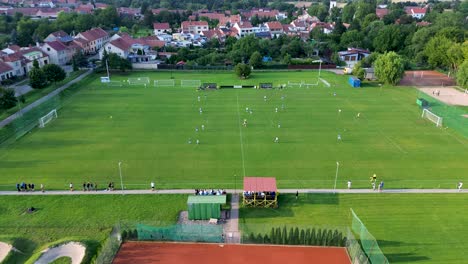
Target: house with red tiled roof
416	12
381	12
327	28
84	9
275	28
233	19
58	35
60	53
96	38
6	72
161	28
128	11
194	27
16	62
34	53
135	50
101	5
244	28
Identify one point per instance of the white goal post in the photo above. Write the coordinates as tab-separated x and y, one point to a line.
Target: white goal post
190	83
139	81
432	117
165	83
47	118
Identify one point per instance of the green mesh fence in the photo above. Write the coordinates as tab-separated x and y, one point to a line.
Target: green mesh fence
368	242
188	233
27	121
452	115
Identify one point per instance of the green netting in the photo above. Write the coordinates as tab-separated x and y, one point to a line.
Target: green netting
188	233
368	242
27	121
452	115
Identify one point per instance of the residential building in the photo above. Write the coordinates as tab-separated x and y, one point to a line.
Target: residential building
243	29
59	52
161	28
194	27
135	50
96	39
416	12
352	56
60	35
381	12
275	28
6	72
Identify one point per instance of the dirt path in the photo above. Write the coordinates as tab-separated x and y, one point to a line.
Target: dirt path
73	250
28	108
231	229
4	250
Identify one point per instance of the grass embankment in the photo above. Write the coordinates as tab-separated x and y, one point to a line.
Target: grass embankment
85	218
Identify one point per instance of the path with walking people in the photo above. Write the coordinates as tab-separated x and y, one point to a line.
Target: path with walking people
190	191
28	108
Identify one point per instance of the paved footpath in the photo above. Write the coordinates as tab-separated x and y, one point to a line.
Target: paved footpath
28	108
231	229
191	191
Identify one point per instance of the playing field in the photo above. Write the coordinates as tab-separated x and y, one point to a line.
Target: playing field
148	130
409	228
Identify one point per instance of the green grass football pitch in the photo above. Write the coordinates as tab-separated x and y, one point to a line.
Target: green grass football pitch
148	130
409	228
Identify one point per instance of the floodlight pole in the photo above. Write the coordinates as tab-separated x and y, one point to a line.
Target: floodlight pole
320	68
336	176
120	172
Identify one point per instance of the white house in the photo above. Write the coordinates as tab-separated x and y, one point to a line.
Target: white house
245	28
416	12
194	27
161	28
275	28
352	56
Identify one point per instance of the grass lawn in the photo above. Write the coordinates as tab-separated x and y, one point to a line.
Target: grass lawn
85	218
410	228
36	94
148	130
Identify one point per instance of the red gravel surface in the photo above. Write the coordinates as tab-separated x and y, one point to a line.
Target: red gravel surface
180	253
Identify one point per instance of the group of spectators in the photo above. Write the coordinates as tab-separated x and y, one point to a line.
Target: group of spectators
261	195
209	192
27	187
89	186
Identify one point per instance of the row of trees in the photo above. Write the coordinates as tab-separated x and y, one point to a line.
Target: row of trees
296	236
40	77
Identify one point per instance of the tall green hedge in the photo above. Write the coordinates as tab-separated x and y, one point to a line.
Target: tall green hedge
296	236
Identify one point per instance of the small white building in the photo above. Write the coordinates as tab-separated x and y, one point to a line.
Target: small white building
416	12
194	27
161	28
352	56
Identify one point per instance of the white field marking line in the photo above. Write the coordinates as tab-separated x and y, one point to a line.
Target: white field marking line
325	82
240	135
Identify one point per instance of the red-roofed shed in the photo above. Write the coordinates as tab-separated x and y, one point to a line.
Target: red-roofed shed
260	192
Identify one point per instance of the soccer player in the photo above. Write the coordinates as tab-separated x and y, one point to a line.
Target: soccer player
279	125
196	129
276	109
251	112
334	93
190	141
339	111
198	141
339	137
349	185
276	140
460	185
201	111
198	98
247	109
203	127
264	98
358	115
152	186
245	123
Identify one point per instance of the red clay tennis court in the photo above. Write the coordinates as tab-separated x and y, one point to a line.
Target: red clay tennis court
180	253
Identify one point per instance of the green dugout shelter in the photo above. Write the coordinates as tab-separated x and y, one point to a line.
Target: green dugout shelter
204	207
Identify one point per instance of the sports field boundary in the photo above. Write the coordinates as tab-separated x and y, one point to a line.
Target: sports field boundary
191	191
39	101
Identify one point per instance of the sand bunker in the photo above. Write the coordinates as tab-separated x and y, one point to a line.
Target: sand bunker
447	95
73	250
4	250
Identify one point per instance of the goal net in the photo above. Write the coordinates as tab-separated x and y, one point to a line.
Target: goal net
190	83
432	117
114	83
161	83
295	84
139	81
47	118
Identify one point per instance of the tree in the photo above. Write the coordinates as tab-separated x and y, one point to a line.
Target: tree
388	39
37	78
389	68
318	10
242	70
54	73
35	64
436	51
7	98
462	74
256	60
358	71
